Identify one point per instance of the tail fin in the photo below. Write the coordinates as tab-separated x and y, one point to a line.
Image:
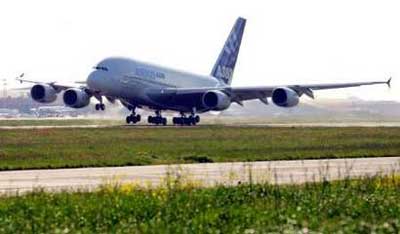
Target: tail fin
225	65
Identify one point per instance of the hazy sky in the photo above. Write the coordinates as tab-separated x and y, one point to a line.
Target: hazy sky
285	42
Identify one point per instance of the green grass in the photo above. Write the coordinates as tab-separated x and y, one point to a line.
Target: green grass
351	206
58	122
113	146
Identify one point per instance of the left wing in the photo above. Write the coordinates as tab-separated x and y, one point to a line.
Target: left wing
56	85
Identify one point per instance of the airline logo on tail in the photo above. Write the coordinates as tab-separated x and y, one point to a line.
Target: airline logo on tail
224	73
225	65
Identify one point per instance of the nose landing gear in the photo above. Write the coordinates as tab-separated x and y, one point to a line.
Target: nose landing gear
100	106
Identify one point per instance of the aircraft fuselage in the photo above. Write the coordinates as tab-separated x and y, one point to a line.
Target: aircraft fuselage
143	84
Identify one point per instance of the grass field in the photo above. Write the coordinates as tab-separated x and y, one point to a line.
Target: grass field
58	122
369	205
113	146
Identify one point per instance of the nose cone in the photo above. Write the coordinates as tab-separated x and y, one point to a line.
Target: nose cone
92	80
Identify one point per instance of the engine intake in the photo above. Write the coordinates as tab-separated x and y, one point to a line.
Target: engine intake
216	100
76	98
43	93
285	97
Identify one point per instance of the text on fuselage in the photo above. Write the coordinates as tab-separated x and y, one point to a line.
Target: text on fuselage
147	73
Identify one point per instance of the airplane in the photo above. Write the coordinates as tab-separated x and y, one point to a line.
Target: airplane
138	84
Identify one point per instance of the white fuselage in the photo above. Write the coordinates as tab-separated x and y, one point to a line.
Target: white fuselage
133	81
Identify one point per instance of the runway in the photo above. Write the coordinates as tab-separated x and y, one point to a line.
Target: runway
257	125
208	174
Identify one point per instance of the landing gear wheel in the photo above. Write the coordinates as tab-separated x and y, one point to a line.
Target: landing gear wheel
157	120
100	106
191	120
133	119
197	119
187	121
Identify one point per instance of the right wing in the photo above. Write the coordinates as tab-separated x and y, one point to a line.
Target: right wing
248	93
239	94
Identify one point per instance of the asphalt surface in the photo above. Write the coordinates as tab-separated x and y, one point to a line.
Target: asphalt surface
208	174
289	125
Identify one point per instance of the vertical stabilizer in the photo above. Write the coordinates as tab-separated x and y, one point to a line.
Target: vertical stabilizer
225	65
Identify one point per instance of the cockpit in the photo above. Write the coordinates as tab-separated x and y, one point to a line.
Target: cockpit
102	68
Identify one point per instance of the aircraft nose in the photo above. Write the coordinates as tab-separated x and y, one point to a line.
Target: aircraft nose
91	80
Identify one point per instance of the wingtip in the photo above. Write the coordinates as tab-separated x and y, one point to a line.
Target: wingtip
20	77
388	82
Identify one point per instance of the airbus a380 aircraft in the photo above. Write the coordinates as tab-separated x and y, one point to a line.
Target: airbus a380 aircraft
141	85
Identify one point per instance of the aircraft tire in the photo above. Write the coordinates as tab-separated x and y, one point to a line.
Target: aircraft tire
193	121
186	121
150	119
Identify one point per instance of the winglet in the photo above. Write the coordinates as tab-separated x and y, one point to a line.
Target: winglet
19	77
388	82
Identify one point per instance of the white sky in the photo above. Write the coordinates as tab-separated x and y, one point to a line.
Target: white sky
285	42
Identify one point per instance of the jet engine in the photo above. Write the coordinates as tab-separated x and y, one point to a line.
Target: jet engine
43	93
285	97
76	98
216	100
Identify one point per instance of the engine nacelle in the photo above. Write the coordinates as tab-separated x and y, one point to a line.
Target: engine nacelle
43	93
76	98
216	100
285	97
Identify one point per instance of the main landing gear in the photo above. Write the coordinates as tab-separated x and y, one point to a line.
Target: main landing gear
133	118
158	119
183	120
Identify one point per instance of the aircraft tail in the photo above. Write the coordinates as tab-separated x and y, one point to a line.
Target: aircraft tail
225	64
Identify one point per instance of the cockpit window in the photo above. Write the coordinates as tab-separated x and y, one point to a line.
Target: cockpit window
100	68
